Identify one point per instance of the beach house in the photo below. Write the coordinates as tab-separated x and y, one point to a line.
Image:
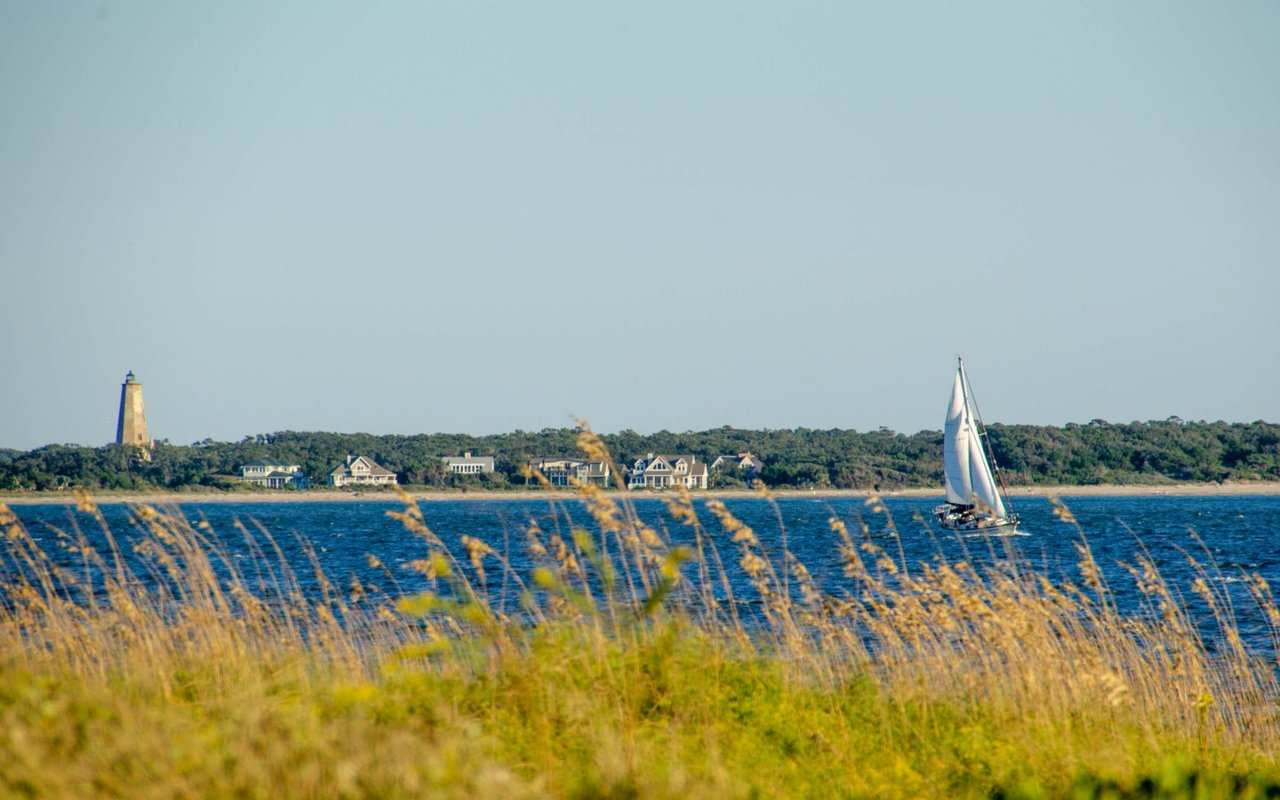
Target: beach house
467	464
661	472
567	471
272	474
746	462
361	471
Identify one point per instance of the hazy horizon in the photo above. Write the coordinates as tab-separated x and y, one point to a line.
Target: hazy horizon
414	217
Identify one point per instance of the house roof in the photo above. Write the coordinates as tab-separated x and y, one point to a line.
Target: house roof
738	460
374	468
469	459
669	464
556	460
594	469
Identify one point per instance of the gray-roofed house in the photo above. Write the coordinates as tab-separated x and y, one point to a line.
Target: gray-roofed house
361	471
273	474
743	461
467	464
661	472
565	471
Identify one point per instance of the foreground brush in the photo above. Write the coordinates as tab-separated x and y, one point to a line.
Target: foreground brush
633	667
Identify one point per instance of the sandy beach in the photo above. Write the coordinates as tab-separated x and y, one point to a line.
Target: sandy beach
334	495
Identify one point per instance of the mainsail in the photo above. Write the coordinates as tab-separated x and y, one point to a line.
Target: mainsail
968	475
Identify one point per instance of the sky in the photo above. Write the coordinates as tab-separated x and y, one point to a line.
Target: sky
481	217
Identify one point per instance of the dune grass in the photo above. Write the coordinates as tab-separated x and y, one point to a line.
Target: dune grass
627	672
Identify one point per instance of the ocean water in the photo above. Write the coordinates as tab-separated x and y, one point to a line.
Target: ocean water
1223	538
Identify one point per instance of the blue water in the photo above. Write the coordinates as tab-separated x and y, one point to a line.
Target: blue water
1228	535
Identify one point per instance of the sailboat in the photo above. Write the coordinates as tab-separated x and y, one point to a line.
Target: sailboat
976	497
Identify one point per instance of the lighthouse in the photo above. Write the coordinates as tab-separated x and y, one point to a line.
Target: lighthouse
132	427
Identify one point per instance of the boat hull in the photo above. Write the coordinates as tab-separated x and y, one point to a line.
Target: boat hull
969	520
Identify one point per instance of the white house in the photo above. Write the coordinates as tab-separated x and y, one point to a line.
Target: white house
661	472
273	474
743	461
361	471
565	471
467	464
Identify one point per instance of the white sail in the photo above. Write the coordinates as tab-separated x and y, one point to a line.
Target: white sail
968	475
955	447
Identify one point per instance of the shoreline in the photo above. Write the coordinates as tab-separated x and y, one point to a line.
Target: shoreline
332	496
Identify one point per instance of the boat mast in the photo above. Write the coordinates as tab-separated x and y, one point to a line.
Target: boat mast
982	430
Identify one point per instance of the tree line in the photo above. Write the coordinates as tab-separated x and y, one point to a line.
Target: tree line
1095	453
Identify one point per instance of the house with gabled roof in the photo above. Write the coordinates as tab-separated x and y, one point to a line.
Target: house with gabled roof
662	472
746	462
361	471
568	471
273	474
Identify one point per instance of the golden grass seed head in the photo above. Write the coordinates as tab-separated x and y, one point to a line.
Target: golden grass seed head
649	537
1061	511
85	502
740	531
753	564
589	442
536	548
681	506
887	565
476	551
875	504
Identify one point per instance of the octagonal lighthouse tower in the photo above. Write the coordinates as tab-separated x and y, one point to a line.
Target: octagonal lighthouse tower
132	427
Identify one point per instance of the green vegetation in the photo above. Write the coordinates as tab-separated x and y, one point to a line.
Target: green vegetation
627	673
1171	451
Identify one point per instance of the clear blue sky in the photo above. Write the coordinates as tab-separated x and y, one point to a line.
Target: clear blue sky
477	217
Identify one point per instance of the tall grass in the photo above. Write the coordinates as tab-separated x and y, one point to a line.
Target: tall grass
632	667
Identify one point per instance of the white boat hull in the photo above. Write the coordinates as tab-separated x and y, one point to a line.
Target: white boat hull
970	521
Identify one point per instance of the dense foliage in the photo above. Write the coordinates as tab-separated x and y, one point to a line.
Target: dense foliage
1095	453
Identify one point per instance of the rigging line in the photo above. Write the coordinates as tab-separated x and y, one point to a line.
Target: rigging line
995	467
